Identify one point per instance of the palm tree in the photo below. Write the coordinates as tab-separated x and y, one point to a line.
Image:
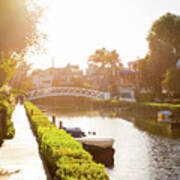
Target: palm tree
108	62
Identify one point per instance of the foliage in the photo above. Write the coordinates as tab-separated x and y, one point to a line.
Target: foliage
5	93
171	81
79	168
86	85
65	157
17	33
166	30
108	63
144	97
167	105
151	73
105	58
164	51
18	25
143	107
20	79
8	63
7	106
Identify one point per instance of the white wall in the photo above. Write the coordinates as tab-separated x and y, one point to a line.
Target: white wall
127	91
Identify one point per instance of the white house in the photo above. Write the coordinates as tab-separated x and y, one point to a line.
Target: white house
44	80
126	93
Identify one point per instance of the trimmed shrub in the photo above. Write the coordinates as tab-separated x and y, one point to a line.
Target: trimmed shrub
7	127
79	169
65	157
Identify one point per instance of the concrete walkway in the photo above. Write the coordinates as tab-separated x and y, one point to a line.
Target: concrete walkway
19	157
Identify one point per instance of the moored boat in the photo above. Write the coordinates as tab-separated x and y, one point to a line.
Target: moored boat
164	116
96	141
101	148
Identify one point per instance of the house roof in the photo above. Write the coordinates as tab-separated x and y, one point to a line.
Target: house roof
128	71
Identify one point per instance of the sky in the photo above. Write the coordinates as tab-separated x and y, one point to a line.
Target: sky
76	28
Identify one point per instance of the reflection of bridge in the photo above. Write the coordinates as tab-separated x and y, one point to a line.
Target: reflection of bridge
67	91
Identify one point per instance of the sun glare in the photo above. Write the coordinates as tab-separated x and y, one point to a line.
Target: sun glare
75	29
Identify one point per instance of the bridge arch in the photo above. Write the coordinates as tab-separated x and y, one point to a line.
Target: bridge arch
67	91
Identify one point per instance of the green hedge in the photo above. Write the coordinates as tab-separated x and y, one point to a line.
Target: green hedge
65	158
7	128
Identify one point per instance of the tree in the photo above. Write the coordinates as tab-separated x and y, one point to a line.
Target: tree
144	74
108	62
18	25
17	32
171	81
105	59
20	78
8	63
166	31
164	51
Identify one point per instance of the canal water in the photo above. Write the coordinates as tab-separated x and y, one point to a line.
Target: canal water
138	154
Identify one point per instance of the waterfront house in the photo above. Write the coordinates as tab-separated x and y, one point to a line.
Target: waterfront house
71	75
42	79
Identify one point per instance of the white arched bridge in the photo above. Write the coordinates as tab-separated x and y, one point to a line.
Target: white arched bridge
67	91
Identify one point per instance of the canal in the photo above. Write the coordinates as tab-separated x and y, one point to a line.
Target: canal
138	154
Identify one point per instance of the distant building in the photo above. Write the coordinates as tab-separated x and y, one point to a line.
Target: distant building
70	75
43	79
125	84
121	83
133	65
127	77
126	92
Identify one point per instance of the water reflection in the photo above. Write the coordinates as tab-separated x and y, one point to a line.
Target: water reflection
164	158
139	154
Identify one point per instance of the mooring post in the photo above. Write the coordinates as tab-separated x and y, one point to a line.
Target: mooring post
32	112
54	119
60	124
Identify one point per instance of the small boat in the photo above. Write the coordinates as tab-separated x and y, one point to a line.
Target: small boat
96	141
164	116
75	132
99	147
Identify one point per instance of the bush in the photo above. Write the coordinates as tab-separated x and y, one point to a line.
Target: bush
79	169
6	110
65	158
144	97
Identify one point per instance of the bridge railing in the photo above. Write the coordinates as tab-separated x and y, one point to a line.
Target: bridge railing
69	91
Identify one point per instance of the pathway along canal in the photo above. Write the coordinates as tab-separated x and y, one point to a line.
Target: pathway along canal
138	154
